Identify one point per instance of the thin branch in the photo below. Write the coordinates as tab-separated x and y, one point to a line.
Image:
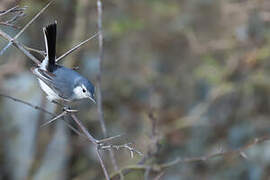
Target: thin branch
32	20
19	46
99	94
76	47
54	119
15	9
109	139
11	40
42	110
102	165
2	13
83	129
42	53
9	24
122	146
26	103
93	140
18	12
100	146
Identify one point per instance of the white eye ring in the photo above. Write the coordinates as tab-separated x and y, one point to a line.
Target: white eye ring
83	90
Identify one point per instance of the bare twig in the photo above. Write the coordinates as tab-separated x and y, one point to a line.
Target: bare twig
11	41
99	94
54	119
16	14
100	146
26	103
122	146
109	139
83	129
76	47
40	109
93	140
42	53
9	24
2	13
103	165
19	46
14	9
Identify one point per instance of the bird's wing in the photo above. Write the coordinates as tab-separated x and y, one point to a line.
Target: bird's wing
48	79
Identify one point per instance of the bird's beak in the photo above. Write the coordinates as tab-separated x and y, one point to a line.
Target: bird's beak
92	99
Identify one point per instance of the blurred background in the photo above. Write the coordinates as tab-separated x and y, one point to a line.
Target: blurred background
181	78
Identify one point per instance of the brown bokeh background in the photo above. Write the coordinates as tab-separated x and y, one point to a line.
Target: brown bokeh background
199	67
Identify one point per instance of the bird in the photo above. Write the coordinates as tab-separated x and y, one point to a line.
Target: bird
61	84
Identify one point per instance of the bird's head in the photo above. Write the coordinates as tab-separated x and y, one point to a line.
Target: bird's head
84	89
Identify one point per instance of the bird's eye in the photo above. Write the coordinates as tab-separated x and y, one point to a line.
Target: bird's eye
83	90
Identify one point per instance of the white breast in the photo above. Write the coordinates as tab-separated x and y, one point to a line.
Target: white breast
51	95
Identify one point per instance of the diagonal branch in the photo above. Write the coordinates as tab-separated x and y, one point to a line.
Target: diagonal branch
15	9
19	46
54	119
2	13
83	129
32	20
16	12
76	47
40	109
24	28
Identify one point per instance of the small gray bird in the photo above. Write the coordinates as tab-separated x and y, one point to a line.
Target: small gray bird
59	82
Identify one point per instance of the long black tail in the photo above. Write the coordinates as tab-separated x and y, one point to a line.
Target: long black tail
50	42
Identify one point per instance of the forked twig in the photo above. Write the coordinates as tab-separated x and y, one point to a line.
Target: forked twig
11	41
122	146
19	46
54	119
